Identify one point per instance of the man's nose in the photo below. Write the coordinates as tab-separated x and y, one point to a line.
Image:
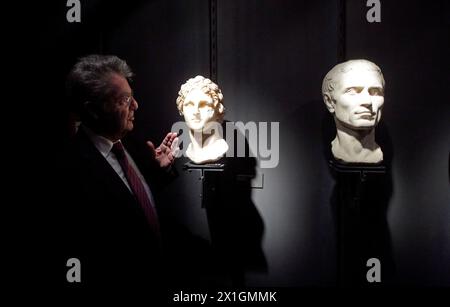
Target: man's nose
134	104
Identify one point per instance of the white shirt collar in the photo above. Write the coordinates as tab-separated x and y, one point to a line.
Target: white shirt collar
103	144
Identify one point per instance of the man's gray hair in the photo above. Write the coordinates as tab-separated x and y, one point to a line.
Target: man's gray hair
89	79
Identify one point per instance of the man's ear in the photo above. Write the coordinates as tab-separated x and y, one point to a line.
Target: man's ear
91	109
329	102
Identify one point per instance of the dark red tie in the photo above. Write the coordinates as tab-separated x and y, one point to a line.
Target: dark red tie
137	187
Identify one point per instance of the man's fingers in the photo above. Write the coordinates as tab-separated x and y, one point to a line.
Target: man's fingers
168	148
169	138
166	140
174	135
174	143
150	145
175	149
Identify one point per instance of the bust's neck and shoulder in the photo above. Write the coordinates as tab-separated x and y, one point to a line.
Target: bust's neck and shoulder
356	146
213	151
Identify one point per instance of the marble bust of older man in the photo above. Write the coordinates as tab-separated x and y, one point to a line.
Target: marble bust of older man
200	102
353	93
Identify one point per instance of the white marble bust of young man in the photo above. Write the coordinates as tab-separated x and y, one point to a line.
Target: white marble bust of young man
353	93
200	102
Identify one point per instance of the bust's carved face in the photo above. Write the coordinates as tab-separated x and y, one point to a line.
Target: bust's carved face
198	110
353	93
359	99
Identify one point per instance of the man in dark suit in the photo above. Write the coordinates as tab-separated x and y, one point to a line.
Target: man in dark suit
110	218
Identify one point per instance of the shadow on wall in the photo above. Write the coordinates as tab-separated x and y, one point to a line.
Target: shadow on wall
213	230
359	202
314	210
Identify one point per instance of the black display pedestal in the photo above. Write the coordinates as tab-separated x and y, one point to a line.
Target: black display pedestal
225	196
360	199
210	176
234	224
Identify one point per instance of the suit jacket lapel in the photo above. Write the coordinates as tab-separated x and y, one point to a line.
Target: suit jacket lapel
97	162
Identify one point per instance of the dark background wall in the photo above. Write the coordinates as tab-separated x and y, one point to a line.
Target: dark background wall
271	58
411	46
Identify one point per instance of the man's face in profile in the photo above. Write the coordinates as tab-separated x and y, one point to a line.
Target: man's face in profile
118	113
198	110
359	98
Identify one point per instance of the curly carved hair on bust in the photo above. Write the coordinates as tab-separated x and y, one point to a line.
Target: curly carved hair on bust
206	86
